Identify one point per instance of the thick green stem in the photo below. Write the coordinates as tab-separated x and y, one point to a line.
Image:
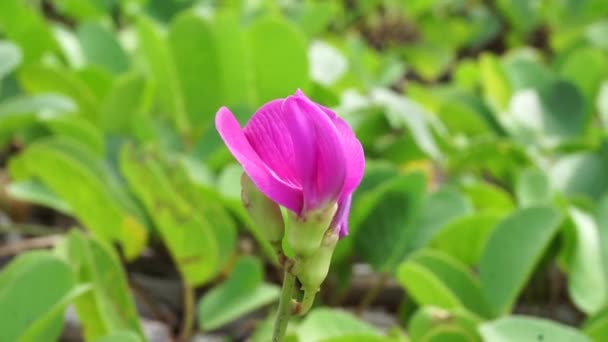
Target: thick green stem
284	311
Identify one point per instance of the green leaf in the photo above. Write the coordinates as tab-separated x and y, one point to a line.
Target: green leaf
586	68
465	238
233	59
404	113
580	174
596	327
512	252
244	291
37	78
438	210
522	328
78	129
434	278
189	236
532	188
587	274
125	105
85	9
488	197
101	47
279	59
10	58
385	221
26	27
38	193
195	56
496	86
563	110
323	324
157	54
429	323
120	336
109	308
88	187
34	290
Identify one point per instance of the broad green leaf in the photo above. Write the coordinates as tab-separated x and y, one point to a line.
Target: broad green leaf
10	58
532	188
189	236
587	275
120	336
100	47
26	27
39	329
596	327
327	64
496	86
22	112
434	278
109	308
438	210
279	59
563	110
37	78
429	59
385	221
513	250
233	59
38	193
126	104
404	113
44	103
465	237
78	129
586	68
522	328
430	322
84	183
195	55
33	288
164	72
602	103
488	197
322	324
580	174
85	9
244	291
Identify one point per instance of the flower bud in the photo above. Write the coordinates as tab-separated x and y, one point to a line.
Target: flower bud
264	213
312	270
306	232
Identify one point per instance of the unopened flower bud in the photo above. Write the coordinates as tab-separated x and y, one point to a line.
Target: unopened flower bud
264	213
312	270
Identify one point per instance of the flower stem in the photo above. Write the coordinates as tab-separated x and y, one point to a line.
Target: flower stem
308	300
188	319
284	311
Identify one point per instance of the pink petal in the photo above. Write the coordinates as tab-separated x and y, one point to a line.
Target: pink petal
340	220
268	135
355	159
272	186
319	152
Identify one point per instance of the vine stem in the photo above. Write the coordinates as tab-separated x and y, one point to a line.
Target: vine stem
285	307
188	319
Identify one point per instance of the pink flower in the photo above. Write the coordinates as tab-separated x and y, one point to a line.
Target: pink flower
299	154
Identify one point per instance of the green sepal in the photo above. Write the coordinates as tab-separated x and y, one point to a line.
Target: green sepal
264	213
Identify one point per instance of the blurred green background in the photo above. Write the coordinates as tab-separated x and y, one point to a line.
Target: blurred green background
482	216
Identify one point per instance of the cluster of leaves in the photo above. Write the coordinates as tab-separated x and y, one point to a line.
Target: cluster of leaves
483	124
